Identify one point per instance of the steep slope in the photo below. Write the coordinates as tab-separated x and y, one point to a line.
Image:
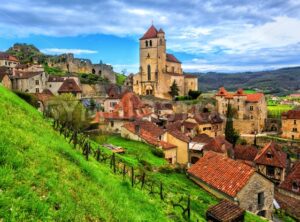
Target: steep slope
43	179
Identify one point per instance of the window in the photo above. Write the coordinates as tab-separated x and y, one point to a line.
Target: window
251	108
112	123
238	108
173	69
37	90
146	43
150	43
149	72
296	186
269	155
137	82
295	122
295	130
238	100
251	117
93	71
260	199
293	137
37	82
270	171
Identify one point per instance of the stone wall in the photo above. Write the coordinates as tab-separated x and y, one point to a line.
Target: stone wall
67	62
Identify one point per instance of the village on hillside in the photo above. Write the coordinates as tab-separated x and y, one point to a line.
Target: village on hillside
242	146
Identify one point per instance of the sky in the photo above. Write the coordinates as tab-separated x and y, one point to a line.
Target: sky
216	35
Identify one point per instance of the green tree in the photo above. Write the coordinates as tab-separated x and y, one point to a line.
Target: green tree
174	89
68	112
231	134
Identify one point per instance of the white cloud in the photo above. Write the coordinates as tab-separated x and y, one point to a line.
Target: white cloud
74	51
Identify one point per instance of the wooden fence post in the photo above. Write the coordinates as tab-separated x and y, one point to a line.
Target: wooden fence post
143	180
132	176
161	191
114	162
189	207
98	154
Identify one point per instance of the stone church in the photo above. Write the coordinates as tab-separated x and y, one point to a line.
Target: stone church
158	69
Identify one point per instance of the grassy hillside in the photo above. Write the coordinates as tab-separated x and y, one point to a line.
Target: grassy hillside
281	81
42	178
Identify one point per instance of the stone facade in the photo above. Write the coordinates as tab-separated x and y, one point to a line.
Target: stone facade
250	110
291	124
29	82
5	80
8	61
158	70
67	62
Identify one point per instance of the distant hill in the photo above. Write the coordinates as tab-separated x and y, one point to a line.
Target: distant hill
280	81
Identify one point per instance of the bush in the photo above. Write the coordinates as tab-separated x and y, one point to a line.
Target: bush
158	152
183	98
146	165
194	94
166	169
31	99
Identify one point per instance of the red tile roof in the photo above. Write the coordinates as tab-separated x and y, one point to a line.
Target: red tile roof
172	58
245	152
222	173
222	92
291	114
288	204
219	145
130	106
179	135
202	138
6	56
271	155
163	106
151	33
204	118
177	117
69	86
25	75
292	178
256	97
225	211
161	30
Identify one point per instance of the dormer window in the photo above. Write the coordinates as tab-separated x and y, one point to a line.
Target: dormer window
296	186
269	155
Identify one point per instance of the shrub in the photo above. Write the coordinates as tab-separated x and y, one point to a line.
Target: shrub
158	152
167	169
31	99
146	165
194	94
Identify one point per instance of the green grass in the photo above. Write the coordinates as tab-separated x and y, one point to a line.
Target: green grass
249	91
54	71
120	78
276	110
42	178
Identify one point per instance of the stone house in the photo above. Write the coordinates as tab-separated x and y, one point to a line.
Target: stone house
287	193
4	78
113	98
29	82
129	109
208	123
162	109
291	124
272	162
8	61
250	109
235	181
54	83
158	69
70	86
148	132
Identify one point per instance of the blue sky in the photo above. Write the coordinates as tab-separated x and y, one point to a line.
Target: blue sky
217	35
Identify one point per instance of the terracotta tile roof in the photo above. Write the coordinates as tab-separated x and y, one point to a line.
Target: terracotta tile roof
204	118
163	106
69	85
219	145
271	155
222	173
222	92
44	96
225	211
256	97
202	138
190	76
151	33
172	58
245	152
130	107
240	92
55	79
174	125
6	56
287	203
25	75
179	135
291	114
189	125
293	178
177	117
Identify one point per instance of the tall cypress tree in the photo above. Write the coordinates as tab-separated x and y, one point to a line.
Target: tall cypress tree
231	135
174	89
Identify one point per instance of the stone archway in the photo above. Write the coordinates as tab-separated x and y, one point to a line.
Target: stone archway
149	90
93	71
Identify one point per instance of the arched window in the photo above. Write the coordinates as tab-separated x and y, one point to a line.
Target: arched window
146	43
150	43
149	72
93	71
